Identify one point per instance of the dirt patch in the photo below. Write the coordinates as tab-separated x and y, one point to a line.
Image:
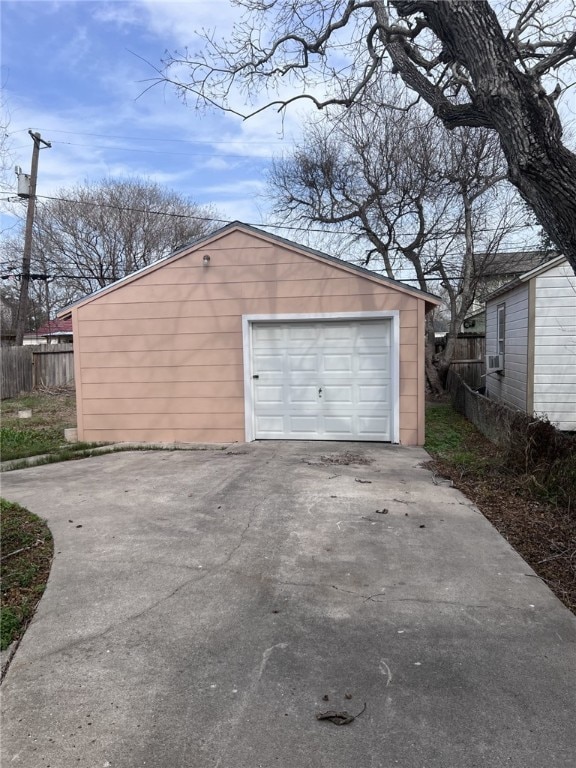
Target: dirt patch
345	459
50	408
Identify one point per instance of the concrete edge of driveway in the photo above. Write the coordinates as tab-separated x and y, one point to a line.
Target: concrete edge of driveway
6	657
86	453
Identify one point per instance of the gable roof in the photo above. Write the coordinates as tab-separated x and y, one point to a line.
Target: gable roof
237	225
55	327
539	270
476	313
504	263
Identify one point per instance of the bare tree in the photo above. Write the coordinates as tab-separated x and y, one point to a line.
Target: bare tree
475	66
6	154
7	177
37	312
425	201
91	235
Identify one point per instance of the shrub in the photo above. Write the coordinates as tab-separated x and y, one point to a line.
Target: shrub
539	450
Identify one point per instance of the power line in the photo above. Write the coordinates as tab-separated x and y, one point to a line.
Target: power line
153	138
9	274
272	225
163	152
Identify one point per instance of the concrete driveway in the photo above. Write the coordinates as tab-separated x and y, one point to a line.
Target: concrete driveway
204	606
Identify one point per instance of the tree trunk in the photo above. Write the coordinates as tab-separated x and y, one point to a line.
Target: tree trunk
433	379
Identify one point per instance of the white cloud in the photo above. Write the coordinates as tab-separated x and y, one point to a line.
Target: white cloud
122	14
113	126
217	164
75	52
179	23
75	157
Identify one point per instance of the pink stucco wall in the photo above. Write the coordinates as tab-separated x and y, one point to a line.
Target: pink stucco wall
159	357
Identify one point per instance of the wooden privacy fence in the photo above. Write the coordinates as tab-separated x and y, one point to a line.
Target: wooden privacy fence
470	347
468	360
470	371
24	368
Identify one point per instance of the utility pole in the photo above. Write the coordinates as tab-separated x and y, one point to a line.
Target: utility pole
27	255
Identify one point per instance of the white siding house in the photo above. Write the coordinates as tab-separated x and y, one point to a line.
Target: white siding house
531	326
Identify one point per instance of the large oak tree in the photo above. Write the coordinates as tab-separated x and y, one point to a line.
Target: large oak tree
477	64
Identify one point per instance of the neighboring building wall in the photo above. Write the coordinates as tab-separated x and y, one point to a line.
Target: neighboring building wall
509	387
555	346
159	359
474	324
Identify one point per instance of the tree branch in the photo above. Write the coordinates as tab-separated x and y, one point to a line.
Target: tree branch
564	53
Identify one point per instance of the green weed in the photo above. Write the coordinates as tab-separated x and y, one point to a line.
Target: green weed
27	548
18	443
446	430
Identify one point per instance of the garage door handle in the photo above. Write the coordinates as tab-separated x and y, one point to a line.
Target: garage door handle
256	376
320	392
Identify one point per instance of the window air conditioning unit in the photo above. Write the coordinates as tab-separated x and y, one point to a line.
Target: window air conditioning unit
493	364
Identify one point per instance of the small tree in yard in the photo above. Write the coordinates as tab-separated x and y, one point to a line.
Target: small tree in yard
476	64
425	201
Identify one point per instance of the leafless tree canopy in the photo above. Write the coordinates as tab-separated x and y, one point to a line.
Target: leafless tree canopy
423	199
93	234
494	65
6	153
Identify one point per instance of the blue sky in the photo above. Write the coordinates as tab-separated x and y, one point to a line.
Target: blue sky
74	71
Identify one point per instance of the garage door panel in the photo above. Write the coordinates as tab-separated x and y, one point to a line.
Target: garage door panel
299	362
374	394
265	393
373	362
322	380
337	332
339	425
304	425
267	333
337	395
303	395
373	426
379	330
337	363
268	363
302	333
270	425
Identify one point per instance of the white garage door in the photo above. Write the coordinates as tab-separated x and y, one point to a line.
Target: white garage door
322	380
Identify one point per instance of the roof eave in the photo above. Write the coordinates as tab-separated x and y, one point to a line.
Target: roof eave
526	277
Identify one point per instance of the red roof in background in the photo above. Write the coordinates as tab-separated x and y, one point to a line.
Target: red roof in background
53	327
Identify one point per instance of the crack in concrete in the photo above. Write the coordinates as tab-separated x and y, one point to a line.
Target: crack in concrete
365	598
432	601
200	577
306	584
117	624
241	538
209	571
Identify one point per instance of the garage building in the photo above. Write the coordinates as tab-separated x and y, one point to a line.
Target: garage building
246	336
